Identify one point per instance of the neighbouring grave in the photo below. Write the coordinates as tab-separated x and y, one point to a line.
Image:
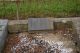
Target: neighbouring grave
3	33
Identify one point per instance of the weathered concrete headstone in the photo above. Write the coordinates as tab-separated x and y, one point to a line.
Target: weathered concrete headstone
40	24
3	33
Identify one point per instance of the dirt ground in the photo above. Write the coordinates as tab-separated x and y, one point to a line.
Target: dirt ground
57	40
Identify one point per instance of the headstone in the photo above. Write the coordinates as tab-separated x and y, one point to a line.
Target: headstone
36	24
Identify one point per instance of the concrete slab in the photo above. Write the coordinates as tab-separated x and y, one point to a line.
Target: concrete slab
3	33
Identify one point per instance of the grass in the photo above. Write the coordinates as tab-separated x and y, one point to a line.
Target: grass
40	8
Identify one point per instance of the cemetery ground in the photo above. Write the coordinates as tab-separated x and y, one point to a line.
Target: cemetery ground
65	34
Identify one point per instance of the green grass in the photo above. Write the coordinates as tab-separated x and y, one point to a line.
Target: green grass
41	8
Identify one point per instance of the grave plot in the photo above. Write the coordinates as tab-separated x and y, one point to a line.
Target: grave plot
60	40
